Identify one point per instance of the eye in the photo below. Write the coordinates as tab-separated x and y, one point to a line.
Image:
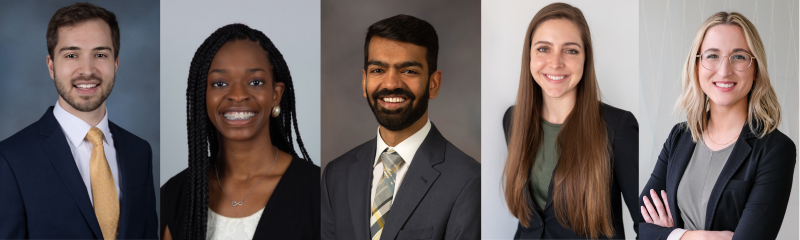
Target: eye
712	56
572	51
376	70
71	55
542	49
409	71
218	84
739	57
101	55
257	82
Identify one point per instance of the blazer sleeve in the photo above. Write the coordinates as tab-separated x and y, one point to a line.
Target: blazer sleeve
766	205
12	211
658	181
327	222
465	217
626	164
151	227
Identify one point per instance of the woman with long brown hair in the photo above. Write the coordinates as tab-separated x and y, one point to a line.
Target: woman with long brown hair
569	155
725	173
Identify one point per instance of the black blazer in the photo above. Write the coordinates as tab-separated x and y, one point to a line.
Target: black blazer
623	136
292	211
42	194
439	198
750	195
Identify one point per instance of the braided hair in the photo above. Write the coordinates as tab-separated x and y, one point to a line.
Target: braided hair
202	135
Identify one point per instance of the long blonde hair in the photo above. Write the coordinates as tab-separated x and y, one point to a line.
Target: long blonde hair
763	109
582	178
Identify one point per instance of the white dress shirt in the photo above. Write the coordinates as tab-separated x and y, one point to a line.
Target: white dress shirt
75	130
406	149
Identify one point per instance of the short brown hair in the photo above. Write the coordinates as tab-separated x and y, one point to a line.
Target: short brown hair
77	13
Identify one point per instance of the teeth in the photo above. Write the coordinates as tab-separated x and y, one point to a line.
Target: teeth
555	77
238	115
86	86
724	85
394	100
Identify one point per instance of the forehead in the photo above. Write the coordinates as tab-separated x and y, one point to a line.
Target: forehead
725	37
93	33
557	31
391	51
240	54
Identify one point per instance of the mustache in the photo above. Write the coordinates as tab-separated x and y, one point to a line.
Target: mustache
89	77
397	92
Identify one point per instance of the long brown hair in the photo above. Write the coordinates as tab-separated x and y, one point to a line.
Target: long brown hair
582	178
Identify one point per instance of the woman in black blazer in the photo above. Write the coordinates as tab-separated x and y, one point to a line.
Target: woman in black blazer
245	180
569	155
732	113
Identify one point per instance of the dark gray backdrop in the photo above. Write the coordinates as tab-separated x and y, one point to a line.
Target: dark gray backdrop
347	120
26	89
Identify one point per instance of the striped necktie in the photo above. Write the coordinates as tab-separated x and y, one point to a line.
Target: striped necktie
384	194
104	191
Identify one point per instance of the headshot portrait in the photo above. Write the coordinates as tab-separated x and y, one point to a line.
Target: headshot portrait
398	145
76	161
241	111
559	132
719	139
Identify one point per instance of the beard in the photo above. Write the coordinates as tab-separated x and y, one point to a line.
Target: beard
83	103
400	118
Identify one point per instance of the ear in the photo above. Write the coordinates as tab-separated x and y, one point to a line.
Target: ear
364	82
50	67
434	83
277	92
116	65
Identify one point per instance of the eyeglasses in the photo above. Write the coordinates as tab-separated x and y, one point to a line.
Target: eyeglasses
739	60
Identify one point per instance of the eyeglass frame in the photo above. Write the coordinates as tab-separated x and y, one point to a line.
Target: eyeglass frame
729	62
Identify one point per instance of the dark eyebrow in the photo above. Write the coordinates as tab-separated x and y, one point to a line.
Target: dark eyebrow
565	44
102	48
221	71
408	64
68	48
572	43
543	42
252	70
377	63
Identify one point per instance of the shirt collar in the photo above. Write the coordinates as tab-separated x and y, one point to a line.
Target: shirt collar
407	148
76	129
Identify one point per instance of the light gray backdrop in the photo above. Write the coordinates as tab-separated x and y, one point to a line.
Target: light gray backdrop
613	25
348	120
27	90
293	26
666	31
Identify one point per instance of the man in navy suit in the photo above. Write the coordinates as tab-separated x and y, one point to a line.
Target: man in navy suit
74	174
408	182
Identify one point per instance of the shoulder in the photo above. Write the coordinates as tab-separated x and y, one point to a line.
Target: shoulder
459	162
350	157
776	141
175	183
124	135
617	118
305	169
28	136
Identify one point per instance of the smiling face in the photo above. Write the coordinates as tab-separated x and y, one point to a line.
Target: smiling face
557	57
725	86
241	91
83	65
396	83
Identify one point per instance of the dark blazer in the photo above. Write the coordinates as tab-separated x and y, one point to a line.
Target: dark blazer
750	195
623	136
43	196
292	211
438	199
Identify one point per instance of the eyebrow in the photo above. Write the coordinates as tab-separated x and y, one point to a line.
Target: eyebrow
249	70
69	48
734	50
405	64
565	44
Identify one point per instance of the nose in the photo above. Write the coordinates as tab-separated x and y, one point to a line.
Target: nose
555	60
725	69
392	80
238	93
86	66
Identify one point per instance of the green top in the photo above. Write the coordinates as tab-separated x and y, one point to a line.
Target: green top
544	164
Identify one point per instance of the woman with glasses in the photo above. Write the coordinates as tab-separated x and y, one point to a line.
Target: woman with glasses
725	173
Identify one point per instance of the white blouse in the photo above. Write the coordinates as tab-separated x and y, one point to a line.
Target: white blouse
228	228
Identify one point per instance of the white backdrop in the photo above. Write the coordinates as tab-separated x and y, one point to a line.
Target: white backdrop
294	28
614	27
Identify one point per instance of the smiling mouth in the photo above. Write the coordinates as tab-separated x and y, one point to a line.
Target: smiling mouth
85	86
239	115
724	85
554	77
393	99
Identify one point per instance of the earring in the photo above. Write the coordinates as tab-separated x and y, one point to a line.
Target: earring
276	110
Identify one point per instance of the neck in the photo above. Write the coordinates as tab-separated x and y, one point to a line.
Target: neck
727	118
92	117
556	110
245	159
392	138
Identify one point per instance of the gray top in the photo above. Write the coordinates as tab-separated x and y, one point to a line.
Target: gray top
544	163
698	180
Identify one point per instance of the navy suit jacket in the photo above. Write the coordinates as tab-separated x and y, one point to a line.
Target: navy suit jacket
42	195
750	195
439	198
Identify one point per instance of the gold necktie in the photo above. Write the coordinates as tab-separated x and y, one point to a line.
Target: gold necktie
104	191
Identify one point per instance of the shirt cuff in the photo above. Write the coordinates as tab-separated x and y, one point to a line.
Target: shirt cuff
676	234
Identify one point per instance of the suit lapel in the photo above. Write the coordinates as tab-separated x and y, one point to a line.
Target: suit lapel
418	180
358	183
125	202
741	150
57	150
679	161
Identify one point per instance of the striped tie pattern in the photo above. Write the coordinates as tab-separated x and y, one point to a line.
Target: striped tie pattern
384	194
104	191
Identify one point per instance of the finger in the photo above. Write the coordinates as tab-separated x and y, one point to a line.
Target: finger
650	209
659	205
646	215
666	203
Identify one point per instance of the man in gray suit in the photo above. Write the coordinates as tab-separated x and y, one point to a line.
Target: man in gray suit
409	182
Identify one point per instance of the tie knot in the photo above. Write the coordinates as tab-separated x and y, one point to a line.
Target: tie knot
391	160
95	136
